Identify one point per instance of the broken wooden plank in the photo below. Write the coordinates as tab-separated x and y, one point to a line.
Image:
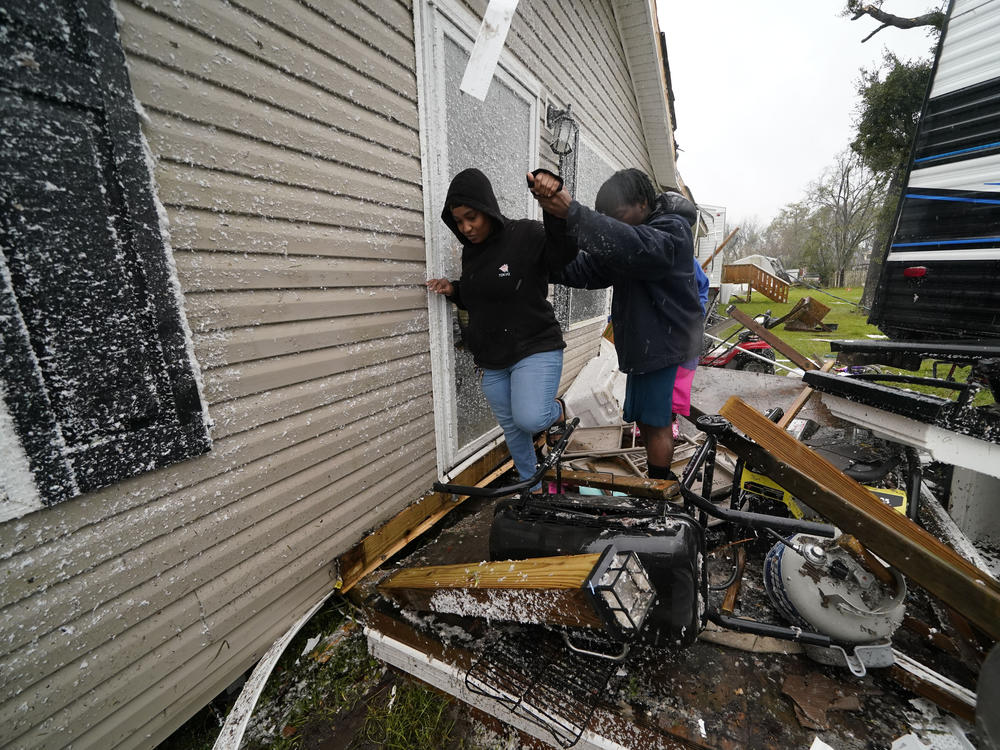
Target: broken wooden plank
895	538
415	519
796	406
779	344
729	601
937	688
656	489
710	258
540	590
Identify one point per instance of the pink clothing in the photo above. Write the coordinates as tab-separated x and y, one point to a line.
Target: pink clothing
682	391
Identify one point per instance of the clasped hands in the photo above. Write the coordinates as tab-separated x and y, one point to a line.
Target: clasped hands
551	196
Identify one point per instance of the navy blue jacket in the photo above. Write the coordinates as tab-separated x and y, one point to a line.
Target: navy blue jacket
655	311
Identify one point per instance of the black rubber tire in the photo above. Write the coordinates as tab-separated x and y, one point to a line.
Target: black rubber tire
752	364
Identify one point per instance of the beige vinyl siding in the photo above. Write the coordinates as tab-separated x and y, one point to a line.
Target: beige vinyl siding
582	343
287	158
576	52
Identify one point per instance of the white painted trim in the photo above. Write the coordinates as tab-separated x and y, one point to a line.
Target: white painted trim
450	679
18	491
489	45
438	323
652	100
943	445
231	735
433	20
909	256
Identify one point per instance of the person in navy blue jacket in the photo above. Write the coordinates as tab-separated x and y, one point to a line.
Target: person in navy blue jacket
638	244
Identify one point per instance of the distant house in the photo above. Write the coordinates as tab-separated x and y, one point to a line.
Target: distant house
220	366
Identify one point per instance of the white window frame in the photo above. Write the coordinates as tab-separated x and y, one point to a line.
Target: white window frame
433	19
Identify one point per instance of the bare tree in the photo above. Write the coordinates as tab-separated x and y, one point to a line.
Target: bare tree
846	202
857	9
748	241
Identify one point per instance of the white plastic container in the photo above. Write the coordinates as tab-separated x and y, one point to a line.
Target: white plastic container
593	397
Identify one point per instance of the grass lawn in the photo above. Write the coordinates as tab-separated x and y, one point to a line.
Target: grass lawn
852	323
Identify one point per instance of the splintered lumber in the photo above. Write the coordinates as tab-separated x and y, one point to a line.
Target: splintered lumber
937	688
656	489
729	601
415	519
710	258
892	536
796	406
772	338
539	590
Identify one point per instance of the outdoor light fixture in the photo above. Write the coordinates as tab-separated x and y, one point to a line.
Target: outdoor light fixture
564	128
622	592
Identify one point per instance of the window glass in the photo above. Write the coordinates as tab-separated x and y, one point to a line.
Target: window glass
495	137
591	172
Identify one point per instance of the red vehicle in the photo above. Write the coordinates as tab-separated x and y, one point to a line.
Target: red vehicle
738	356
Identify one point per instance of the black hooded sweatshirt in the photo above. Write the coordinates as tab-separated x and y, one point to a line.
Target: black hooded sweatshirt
505	278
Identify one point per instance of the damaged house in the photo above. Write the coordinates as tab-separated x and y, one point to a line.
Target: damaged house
220	368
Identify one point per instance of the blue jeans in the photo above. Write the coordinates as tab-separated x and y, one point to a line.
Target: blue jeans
522	398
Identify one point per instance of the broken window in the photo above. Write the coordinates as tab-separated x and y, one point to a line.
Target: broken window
98	382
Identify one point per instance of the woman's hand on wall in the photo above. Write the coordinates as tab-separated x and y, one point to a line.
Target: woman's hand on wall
440	286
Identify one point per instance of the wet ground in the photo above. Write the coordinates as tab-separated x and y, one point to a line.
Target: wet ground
714	696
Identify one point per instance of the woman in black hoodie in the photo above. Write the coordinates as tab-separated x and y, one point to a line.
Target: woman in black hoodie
513	333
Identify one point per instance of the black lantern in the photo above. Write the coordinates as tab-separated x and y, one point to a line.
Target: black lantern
566	134
620	587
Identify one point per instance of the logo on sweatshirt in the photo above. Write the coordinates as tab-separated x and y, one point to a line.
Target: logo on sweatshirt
504	271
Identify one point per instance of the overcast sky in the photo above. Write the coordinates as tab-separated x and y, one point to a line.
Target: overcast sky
765	92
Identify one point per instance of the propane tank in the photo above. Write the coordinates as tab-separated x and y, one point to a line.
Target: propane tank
819	585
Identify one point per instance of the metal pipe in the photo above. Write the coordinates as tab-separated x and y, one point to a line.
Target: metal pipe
741	625
747	351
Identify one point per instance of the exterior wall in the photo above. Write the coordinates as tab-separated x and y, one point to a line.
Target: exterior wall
287	159
575	50
296	224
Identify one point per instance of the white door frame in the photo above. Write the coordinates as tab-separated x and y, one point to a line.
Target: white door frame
432	20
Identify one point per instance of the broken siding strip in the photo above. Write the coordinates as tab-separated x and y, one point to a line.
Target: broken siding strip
208	147
305	548
165	91
207	311
195	229
228	39
192	187
579	351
